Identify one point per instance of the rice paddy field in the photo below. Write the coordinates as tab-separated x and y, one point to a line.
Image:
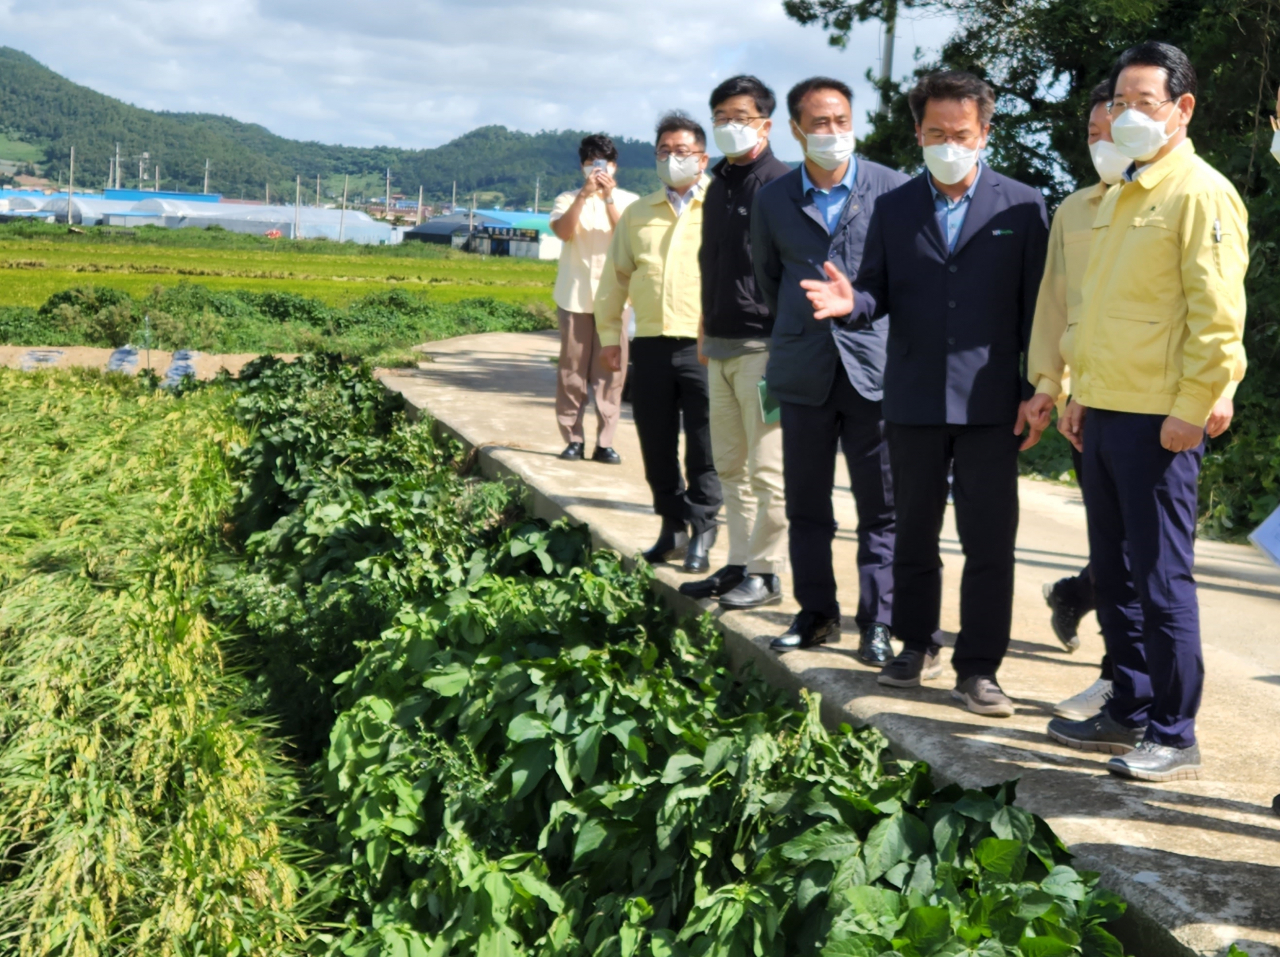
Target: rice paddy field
38	260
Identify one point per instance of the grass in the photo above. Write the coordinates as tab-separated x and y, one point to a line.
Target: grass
141	811
18	151
38	260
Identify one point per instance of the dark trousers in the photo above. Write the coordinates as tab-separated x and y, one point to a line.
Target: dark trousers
984	463
809	438
670	382
1141	505
1078	589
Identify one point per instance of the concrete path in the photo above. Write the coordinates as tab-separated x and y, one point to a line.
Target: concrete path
1199	861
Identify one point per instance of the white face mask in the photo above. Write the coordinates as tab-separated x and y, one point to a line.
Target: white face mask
735	139
1138	136
1110	163
679	173
829	150
949	163
1275	144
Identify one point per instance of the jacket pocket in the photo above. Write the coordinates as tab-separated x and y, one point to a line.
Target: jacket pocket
1133	352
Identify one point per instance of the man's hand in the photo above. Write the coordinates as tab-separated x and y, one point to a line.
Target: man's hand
1071	425
1178	436
611	358
1029	418
591	186
831	298
605	182
1220	418
1037	409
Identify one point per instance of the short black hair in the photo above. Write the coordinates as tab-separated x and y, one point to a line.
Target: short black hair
1180	75
746	85
680	120
597	146
1099	94
796	95
952	85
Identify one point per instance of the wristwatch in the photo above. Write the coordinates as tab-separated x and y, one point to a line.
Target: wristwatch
608	200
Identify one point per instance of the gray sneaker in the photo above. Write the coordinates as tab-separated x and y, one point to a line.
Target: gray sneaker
909	668
1158	762
982	695
1099	733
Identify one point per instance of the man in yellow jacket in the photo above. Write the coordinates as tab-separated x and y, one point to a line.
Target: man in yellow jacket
1059	305
1157	344
653	259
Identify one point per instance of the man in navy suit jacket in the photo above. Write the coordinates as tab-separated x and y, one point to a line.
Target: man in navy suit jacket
955	258
828	379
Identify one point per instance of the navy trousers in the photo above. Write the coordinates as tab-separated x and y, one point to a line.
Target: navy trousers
809	442
984	464
1141	505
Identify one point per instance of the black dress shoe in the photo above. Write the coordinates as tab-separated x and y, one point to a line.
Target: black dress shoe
875	648
572	452
672	544
755	590
807	630
719	583
606	455
698	558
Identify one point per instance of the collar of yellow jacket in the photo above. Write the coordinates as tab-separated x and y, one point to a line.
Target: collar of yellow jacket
1150	177
659	196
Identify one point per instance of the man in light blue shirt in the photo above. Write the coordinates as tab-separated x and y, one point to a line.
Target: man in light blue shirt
951	212
830	202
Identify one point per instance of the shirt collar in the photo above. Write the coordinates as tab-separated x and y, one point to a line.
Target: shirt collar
847	182
1149	174
968	193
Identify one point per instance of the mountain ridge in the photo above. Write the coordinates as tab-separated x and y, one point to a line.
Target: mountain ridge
45	109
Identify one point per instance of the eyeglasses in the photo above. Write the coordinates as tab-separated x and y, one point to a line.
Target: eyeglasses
1116	107
680	152
938	138
719	119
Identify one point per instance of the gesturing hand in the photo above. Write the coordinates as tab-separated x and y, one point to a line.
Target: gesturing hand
833	297
1178	436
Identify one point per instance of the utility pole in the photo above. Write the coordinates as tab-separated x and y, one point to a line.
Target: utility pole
206	176
71	183
111	174
297	203
157	189
418	220
886	58
268	194
342	218
454	204
537	192
117	166
388	194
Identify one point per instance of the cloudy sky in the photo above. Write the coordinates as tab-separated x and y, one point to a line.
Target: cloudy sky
417	73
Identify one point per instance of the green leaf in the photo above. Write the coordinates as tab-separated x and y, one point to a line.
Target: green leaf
997	856
591	836
532	762
1098	942
976	805
894	839
926	928
1064	883
448	681
824	842
587	746
528	726
1013	824
1045	947
679	766
857	945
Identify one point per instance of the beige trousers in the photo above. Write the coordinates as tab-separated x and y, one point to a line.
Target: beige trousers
580	371
748	458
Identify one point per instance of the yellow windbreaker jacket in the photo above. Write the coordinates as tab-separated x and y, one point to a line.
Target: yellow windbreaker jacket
1162	314
653	258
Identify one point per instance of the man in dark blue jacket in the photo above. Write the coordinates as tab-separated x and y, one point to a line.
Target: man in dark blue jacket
827	378
955	258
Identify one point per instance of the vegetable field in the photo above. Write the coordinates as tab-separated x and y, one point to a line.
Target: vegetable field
280	677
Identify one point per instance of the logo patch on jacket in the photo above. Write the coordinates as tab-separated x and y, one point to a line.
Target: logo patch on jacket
742	210
1002	232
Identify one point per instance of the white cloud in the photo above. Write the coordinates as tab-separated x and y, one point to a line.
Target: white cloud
418	73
